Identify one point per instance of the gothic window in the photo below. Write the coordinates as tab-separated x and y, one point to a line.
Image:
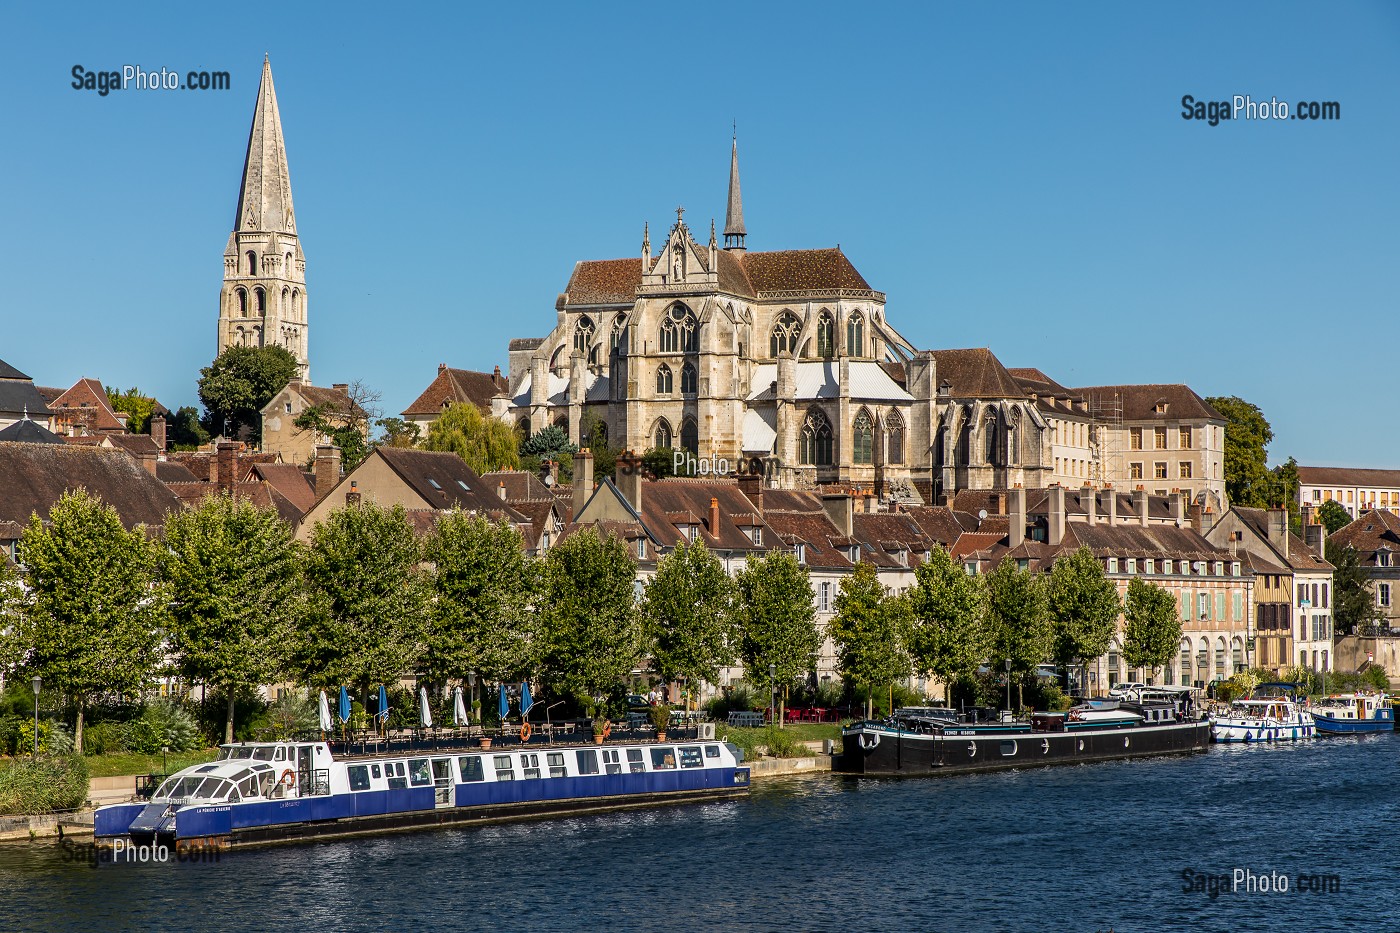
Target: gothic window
690	435
826	335
687	379
679	331
523	427
240	339
287	269
816	439
296	302
663	435
894	438
286	300
619	333
990	435
663	380
252	258
583	335
785	334
855	335
863	437
261	300
242	303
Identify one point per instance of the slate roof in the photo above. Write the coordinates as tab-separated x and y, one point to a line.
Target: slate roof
975	373
37	474
444	481
1300	556
18	393
1348	476
1139	402
458	385
9	372
25	431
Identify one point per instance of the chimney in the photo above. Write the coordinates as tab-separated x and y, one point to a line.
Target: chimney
583	478
549	472
158	432
1178	502
1018	516
1315	536
1055	506
629	479
326	469
714	516
501	490
1089	499
341	387
1307	514
751	485
840	508
1278	531
872	502
1140	501
148	460
1001	503
442	368
224	458
352	498
1204	519
1112	506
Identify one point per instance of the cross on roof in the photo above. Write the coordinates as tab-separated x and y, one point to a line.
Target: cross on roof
679	212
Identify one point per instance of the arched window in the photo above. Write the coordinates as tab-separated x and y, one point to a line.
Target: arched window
990	436
286	300
1186	662
894	438
816	439
785	334
523	427
260	297
287	269
240	339
679	331
296	302
690	435
826	335
583	334
252	258
855	335
687	379
862	437
619	333
562	423
663	380
242	303
663	434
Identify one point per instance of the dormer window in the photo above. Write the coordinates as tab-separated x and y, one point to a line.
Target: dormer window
1148	565
1113	565
1383	558
1219	568
853	553
641	549
756	534
1132	565
1235	569
689	531
801	552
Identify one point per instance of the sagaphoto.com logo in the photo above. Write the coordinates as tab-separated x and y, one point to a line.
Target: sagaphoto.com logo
1244	107
134	77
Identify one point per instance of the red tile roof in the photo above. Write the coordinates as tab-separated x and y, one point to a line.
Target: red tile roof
85	405
458	385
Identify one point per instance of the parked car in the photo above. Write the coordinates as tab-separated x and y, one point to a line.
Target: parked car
637	701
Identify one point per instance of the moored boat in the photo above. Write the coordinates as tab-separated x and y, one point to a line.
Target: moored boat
1271	714
1353	713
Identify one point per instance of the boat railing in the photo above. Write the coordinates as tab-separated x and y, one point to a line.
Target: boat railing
578	732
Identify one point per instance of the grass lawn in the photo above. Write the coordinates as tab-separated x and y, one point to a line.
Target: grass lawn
797	731
119	763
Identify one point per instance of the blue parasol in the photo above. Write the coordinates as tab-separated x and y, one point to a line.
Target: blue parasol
344	705
504	705
383	713
526	701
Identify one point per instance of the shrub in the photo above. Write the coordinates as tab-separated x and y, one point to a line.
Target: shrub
746	740
660	716
43	785
250	716
830	694
292	714
103	737
1376	677
782	745
163	724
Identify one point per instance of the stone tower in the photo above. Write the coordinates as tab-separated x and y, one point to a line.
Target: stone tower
263	300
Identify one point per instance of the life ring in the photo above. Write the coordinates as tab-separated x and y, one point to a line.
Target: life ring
288	778
526	732
868	740
1075	715
607	729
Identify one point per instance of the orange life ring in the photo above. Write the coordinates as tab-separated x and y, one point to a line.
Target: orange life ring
288	778
607	729
526	732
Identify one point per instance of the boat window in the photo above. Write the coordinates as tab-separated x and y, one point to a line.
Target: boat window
262	754
634	761
1008	748
505	771
374	771
663	759
530	766
395	771
240	774
470	768
612	760
418	773
224	754
240	753
205	769
233	795
442	771
280	754
555	760
359	777
207	787
711	751
588	761
249	787
691	757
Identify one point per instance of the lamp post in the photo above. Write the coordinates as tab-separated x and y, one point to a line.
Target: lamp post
471	688
37	683
1008	683
772	694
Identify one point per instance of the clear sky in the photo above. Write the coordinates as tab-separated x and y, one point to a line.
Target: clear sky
1017	176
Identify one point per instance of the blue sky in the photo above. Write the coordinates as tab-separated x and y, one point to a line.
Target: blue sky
1016	176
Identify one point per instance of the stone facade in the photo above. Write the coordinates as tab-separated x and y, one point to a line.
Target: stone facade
280	434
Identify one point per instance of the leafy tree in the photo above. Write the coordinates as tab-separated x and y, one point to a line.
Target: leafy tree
547	443
1281	490
370	599
236	386
593	433
235	581
138	408
950	638
1018	618
871	631
778	623
184	432
484	586
1084	605
348	427
486	443
1151	625
1353	600
1334	515
591	635
92	626
396	432
12	606
688	615
1247	437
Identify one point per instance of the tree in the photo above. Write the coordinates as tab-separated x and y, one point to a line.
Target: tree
235	580
93	622
12	607
184	432
778	623
548	443
236	386
1334	515
871	632
1353	600
1281	490
370	599
1084	605
590	634
486	443
138	408
1018	618
347	427
593	431
1151	625
1247	437
688	615
484	587
396	432
950	639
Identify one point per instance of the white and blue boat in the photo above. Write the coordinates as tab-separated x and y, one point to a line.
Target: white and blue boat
286	791
1271	714
1353	713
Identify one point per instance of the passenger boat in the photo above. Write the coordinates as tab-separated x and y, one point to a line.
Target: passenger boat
1271	714
278	791
1352	713
933	740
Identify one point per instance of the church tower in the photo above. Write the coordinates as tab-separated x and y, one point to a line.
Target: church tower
263	300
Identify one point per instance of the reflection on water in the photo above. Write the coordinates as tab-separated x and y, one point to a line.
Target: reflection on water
1073	848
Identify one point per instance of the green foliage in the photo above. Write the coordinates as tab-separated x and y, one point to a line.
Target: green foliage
137	407
1084	605
396	432
347	433
250	715
1045	695
1018	618
1353	600
43	786
591	636
1334	515
485	443
235	387
548	443
593	433
1247	437
871	630
54	738
235	578
1151	625
183	431
369	599
950	637
163	724
484	586
661	463
778	621
660	716
688	615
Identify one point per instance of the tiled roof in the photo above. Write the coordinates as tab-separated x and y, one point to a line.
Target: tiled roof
134	444
1348	476
802	270
168	471
199	462
37	474
975	373
458	385
1300	556
289	481
332	400
444	481
1370	532
85	403
670	504
942	525
521	485
25	431
604	281
1140	402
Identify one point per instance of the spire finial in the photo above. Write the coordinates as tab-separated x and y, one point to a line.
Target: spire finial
712	233
734	232
680	216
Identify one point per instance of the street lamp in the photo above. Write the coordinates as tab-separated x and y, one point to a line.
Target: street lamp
1008	683
37	683
471	688
772	693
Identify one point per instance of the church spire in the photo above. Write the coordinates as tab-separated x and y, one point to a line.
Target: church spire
734	216
265	198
